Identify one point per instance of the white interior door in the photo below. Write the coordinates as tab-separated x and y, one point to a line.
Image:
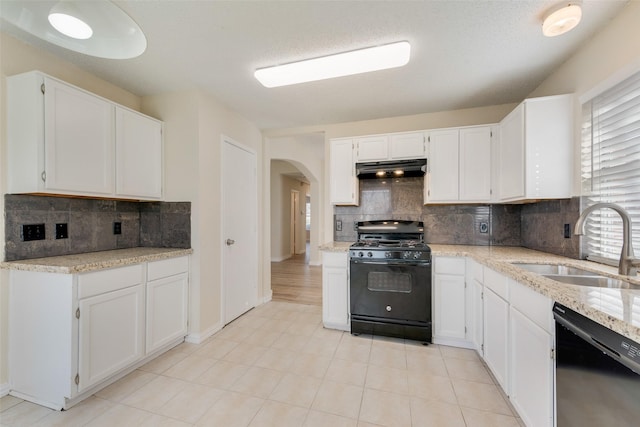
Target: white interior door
239	229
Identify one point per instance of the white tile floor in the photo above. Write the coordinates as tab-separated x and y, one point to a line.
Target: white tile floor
277	366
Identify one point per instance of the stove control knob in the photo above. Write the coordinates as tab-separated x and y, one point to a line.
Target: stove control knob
416	255
369	254
388	308
360	254
406	254
387	254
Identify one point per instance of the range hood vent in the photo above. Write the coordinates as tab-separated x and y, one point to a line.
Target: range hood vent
391	169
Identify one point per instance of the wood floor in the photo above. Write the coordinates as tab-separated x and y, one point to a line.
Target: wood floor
294	280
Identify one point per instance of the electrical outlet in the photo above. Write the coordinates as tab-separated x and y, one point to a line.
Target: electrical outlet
567	231
338	225
32	232
117	227
62	231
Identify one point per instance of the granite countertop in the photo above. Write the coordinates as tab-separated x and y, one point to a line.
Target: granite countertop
617	309
92	261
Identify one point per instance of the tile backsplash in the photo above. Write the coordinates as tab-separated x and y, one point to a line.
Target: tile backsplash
537	226
90	225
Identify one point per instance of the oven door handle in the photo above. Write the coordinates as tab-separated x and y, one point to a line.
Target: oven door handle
393	264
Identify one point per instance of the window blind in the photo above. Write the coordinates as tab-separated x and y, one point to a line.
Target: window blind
610	156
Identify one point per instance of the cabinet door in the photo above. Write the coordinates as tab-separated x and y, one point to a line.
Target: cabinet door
511	170
111	334
79	141
335	291
496	323
373	148
475	164
166	310
477	315
407	146
343	182
449	297
443	166
531	379
138	155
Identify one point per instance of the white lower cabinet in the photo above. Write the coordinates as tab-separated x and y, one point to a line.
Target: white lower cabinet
496	335
475	310
111	334
167	302
531	373
449	302
71	334
335	290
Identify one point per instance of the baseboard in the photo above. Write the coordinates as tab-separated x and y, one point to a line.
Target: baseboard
280	258
453	342
197	338
4	389
267	297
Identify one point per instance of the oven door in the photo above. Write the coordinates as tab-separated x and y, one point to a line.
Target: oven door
395	290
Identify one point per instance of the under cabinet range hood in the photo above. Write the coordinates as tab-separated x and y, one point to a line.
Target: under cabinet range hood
391	169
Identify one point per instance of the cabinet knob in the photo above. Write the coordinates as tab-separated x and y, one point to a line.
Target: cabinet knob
230	242
388	308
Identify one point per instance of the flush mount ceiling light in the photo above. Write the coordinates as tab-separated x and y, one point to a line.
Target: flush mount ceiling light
562	19
342	64
97	28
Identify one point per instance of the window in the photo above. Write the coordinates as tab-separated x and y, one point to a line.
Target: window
611	166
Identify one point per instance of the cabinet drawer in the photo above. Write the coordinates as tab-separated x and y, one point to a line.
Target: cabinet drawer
533	305
167	267
335	259
102	281
497	283
446	265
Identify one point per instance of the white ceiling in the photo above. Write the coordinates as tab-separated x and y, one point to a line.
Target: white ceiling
465	53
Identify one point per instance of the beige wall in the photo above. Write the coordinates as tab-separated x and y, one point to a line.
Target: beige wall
194	125
281	188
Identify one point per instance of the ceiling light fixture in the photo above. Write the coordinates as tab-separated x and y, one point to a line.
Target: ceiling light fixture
100	28
70	26
561	20
342	64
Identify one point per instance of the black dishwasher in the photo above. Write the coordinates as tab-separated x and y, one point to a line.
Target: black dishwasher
597	381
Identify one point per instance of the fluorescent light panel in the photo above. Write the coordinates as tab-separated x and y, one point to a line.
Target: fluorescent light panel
342	64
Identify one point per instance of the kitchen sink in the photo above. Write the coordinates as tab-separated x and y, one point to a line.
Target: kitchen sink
593	281
576	276
555	269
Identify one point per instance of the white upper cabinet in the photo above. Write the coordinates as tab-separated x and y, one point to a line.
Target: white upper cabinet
535	150
78	129
442	182
397	146
459	165
138	155
372	148
475	164
343	185
407	146
64	140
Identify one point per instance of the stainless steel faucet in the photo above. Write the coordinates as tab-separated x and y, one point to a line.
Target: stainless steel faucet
628	262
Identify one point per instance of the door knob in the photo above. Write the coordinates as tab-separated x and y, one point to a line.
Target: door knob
230	242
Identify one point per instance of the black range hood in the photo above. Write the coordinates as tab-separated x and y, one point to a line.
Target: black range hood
391	169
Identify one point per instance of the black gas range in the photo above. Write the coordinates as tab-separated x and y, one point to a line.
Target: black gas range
390	280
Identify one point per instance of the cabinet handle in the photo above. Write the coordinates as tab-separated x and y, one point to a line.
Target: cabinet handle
230	242
78	313
77	379
43	176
